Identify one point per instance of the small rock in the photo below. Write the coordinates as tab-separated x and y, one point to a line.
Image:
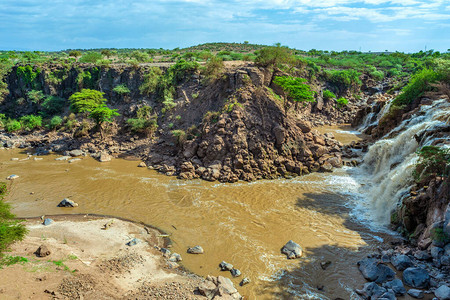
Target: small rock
401	262
74	160
38	158
416	278
396	285
76	153
245	281
14	159
292	250
436	252
172	265
104	157
371	290
224	266
63	158
175	257
43	251
235	272
325	264
374	270
443	292
48	222
142	165
422	255
445	260
133	242
415	293
166	252
195	250
67	203
12	177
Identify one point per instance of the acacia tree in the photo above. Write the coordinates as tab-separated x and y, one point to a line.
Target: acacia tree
103	114
295	90
272	56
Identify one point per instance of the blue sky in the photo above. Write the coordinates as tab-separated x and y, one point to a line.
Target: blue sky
375	25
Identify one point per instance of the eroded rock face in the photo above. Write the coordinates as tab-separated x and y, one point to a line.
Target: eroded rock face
254	140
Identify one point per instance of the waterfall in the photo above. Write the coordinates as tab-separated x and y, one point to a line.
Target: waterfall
390	161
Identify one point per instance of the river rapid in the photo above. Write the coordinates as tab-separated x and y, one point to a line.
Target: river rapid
245	224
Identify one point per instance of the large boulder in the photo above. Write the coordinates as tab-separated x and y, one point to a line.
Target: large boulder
374	270
401	262
292	250
443	292
416	277
43	251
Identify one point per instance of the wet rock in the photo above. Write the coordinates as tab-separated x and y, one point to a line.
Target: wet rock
75	153
447	249
422	255
224	266
175	257
436	252
166	252
415	293
74	160
63	158
416	278
235	272
371	290
374	270
245	281
397	286
388	295
142	165
12	177
218	288
292	250
104	157
67	203
401	262
445	260
195	250
133	242
43	251
48	222
443	292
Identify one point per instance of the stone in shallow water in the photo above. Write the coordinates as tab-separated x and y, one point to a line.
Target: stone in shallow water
245	281
48	222
235	272
443	292
292	250
397	286
224	266
12	177
67	203
415	293
373	270
195	250
401	262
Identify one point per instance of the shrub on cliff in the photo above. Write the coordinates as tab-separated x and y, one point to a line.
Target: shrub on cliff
433	161
341	102
296	90
86	100
328	95
91	57
11	230
12	125
213	67
344	78
31	122
417	86
151	80
121	89
103	114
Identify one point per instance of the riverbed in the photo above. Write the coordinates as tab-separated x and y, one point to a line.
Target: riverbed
245	224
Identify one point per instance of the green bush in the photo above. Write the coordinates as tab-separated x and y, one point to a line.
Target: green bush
151	80
180	136
86	100
75	53
417	86
11	229
328	95
91	57
377	75
35	96
346	78
296	90
341	102
433	161
31	122
147	126
55	122
213	67
121	89
103	114
12	125
144	112
52	105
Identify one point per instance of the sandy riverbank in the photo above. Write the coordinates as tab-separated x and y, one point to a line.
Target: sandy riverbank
87	261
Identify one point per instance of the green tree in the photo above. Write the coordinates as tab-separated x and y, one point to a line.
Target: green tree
75	53
273	56
103	114
86	100
296	90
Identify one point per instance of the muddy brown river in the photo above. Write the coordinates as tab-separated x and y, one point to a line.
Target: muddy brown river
244	224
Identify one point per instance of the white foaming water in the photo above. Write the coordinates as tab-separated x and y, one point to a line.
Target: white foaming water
389	162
